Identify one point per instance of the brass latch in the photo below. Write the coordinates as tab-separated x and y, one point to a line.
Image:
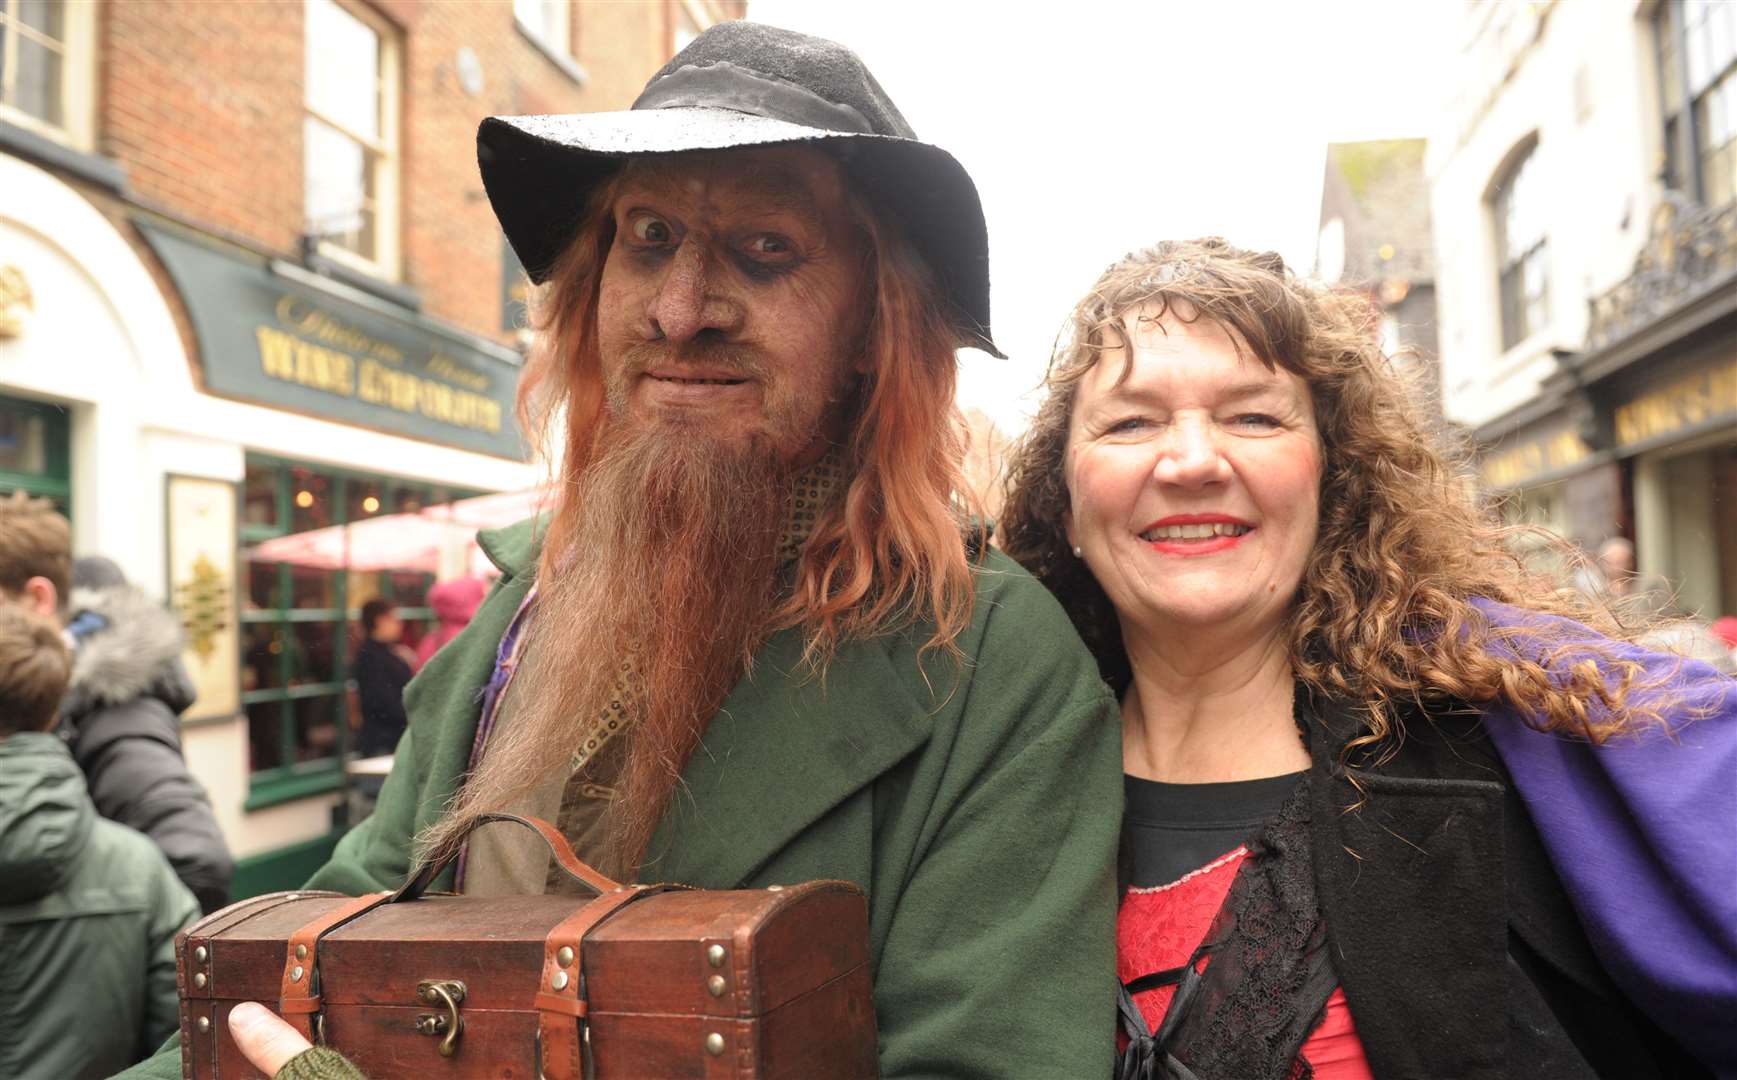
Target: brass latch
449	994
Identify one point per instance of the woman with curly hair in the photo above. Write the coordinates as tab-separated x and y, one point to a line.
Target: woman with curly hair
1356	731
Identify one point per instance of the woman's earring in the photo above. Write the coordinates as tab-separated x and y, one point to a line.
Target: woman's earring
1078	553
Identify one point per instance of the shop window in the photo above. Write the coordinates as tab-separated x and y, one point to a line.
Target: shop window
45	67
547	22
35	452
350	136
308	572
1518	203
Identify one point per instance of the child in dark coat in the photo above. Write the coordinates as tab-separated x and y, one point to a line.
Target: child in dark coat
88	909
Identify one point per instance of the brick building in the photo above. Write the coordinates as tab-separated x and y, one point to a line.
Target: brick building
259	330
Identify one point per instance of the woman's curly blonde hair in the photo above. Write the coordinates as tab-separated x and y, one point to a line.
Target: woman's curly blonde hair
1383	614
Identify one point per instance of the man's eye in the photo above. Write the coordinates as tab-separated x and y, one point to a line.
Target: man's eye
651	230
769	246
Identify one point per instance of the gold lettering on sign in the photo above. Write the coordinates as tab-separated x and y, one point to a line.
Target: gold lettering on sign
293	360
1514	467
370	370
452	371
304	318
1690	400
407	393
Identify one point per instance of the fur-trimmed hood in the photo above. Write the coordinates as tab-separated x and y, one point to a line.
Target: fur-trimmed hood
137	653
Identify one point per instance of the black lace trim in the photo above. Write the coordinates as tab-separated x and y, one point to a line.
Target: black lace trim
1266	985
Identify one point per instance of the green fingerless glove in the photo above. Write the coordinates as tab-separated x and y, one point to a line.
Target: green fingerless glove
319	1063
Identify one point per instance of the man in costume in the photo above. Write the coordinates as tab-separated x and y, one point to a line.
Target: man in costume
759	638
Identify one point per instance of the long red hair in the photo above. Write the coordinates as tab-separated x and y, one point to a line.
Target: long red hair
893	551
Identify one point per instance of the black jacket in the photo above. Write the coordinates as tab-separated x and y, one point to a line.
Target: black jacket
120	719
381	675
1458	950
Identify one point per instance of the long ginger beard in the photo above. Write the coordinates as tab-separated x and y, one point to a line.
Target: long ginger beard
673	569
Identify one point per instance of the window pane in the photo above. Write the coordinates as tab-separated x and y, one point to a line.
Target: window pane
259	496
312	654
38	88
23	440
409	500
310	500
264	735
44	16
343	68
1716	132
364	500
316	727
336	173
314	587
262	656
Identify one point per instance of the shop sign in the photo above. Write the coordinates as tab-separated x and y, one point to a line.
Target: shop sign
269	338
1683	403
1514	466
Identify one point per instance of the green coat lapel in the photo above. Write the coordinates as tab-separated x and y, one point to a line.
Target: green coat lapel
780	754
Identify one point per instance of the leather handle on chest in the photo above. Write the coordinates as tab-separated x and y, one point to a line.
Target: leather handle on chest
299	999
572	865
560	1001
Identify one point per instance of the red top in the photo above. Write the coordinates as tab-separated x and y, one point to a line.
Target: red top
1159	928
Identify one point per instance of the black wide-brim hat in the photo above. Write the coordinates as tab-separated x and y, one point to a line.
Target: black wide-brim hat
740	85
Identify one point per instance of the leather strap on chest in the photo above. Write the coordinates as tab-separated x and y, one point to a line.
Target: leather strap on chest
300	999
561	998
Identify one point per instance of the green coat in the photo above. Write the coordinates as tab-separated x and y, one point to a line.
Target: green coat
88	915
979	806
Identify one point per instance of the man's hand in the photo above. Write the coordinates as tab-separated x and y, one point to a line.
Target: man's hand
266	1041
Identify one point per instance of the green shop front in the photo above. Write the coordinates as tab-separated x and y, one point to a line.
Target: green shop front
377	441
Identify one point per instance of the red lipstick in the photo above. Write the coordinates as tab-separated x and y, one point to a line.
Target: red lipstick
1206	545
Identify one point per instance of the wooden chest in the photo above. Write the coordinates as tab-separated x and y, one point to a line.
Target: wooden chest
639	983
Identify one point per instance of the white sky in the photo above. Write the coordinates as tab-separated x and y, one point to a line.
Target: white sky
1093	127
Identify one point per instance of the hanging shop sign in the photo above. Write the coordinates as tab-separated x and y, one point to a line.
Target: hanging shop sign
267	337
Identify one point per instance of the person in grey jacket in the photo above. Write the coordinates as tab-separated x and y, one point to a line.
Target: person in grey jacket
88	909
120	719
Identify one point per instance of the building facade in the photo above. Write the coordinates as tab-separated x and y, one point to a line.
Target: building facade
1375	239
1583	188
259	330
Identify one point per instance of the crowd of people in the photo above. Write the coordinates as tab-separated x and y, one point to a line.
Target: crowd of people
108	844
1242	746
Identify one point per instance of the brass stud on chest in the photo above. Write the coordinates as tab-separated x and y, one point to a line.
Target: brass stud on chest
301	952
200	954
559	982
715	955
204	1024
296	974
716	986
565	956
715	1044
199	980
